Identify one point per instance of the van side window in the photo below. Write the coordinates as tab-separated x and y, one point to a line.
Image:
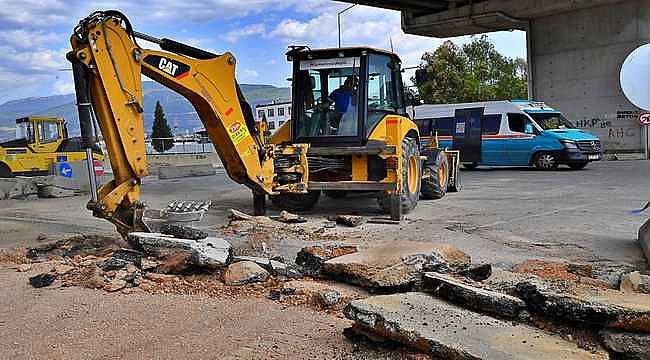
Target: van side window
517	122
491	124
444	126
424	126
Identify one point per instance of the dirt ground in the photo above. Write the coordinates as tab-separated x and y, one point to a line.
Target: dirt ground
78	323
502	216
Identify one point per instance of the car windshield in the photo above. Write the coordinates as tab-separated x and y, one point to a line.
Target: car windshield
551	121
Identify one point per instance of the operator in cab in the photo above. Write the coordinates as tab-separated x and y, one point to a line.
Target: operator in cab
345	103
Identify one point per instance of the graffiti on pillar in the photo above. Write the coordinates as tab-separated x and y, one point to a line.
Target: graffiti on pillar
593	123
617	131
620	132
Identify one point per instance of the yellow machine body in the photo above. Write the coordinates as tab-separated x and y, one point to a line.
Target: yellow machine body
43	141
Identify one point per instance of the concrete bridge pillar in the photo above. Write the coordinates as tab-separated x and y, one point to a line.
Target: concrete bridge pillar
575	58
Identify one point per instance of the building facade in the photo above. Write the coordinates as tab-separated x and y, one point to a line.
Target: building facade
275	113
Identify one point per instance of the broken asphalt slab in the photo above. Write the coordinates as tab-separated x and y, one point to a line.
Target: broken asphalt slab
42	280
244	272
272	266
347	220
447	331
312	258
210	252
397	265
483	300
585	304
630	346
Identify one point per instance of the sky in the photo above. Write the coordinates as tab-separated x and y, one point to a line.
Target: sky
34	35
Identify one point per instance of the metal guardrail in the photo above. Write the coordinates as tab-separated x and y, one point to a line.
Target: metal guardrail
198	145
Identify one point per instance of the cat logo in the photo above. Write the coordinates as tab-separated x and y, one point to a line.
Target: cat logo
174	68
167	66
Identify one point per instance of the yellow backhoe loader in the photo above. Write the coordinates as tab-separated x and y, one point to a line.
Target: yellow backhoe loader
349	131
40	142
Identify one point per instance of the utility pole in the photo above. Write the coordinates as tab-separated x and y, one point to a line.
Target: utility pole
338	18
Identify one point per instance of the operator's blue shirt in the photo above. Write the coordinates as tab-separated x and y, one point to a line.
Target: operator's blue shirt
342	98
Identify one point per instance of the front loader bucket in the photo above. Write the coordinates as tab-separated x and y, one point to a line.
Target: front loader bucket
644	240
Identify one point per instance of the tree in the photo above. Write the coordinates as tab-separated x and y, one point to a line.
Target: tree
473	72
162	138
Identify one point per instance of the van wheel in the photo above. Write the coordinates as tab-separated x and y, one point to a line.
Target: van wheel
546	161
5	171
435	176
470	166
578	166
296	202
411	175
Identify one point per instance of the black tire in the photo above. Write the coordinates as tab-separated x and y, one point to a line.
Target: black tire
433	186
5	171
410	195
470	166
336	194
296	202
546	161
578	166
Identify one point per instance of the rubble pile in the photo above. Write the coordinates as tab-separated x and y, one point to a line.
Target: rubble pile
257	235
432	297
562	299
159	263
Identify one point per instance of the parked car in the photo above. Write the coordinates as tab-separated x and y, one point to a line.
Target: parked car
513	133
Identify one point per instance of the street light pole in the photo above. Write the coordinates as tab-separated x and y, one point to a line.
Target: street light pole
338	18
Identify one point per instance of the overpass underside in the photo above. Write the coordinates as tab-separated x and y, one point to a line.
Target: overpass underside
575	51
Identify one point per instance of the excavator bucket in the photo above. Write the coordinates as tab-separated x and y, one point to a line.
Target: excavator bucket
183	213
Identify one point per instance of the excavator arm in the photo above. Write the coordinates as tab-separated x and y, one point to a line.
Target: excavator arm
107	67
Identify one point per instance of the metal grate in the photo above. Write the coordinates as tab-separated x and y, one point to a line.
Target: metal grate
589	146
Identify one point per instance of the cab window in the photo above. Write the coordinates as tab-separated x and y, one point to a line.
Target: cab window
330	101
491	124
48	132
383	89
424	127
444	126
520	123
24	130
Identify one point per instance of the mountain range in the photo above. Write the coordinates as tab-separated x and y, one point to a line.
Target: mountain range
179	112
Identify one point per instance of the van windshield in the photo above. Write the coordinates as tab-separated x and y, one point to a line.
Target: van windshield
551	121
